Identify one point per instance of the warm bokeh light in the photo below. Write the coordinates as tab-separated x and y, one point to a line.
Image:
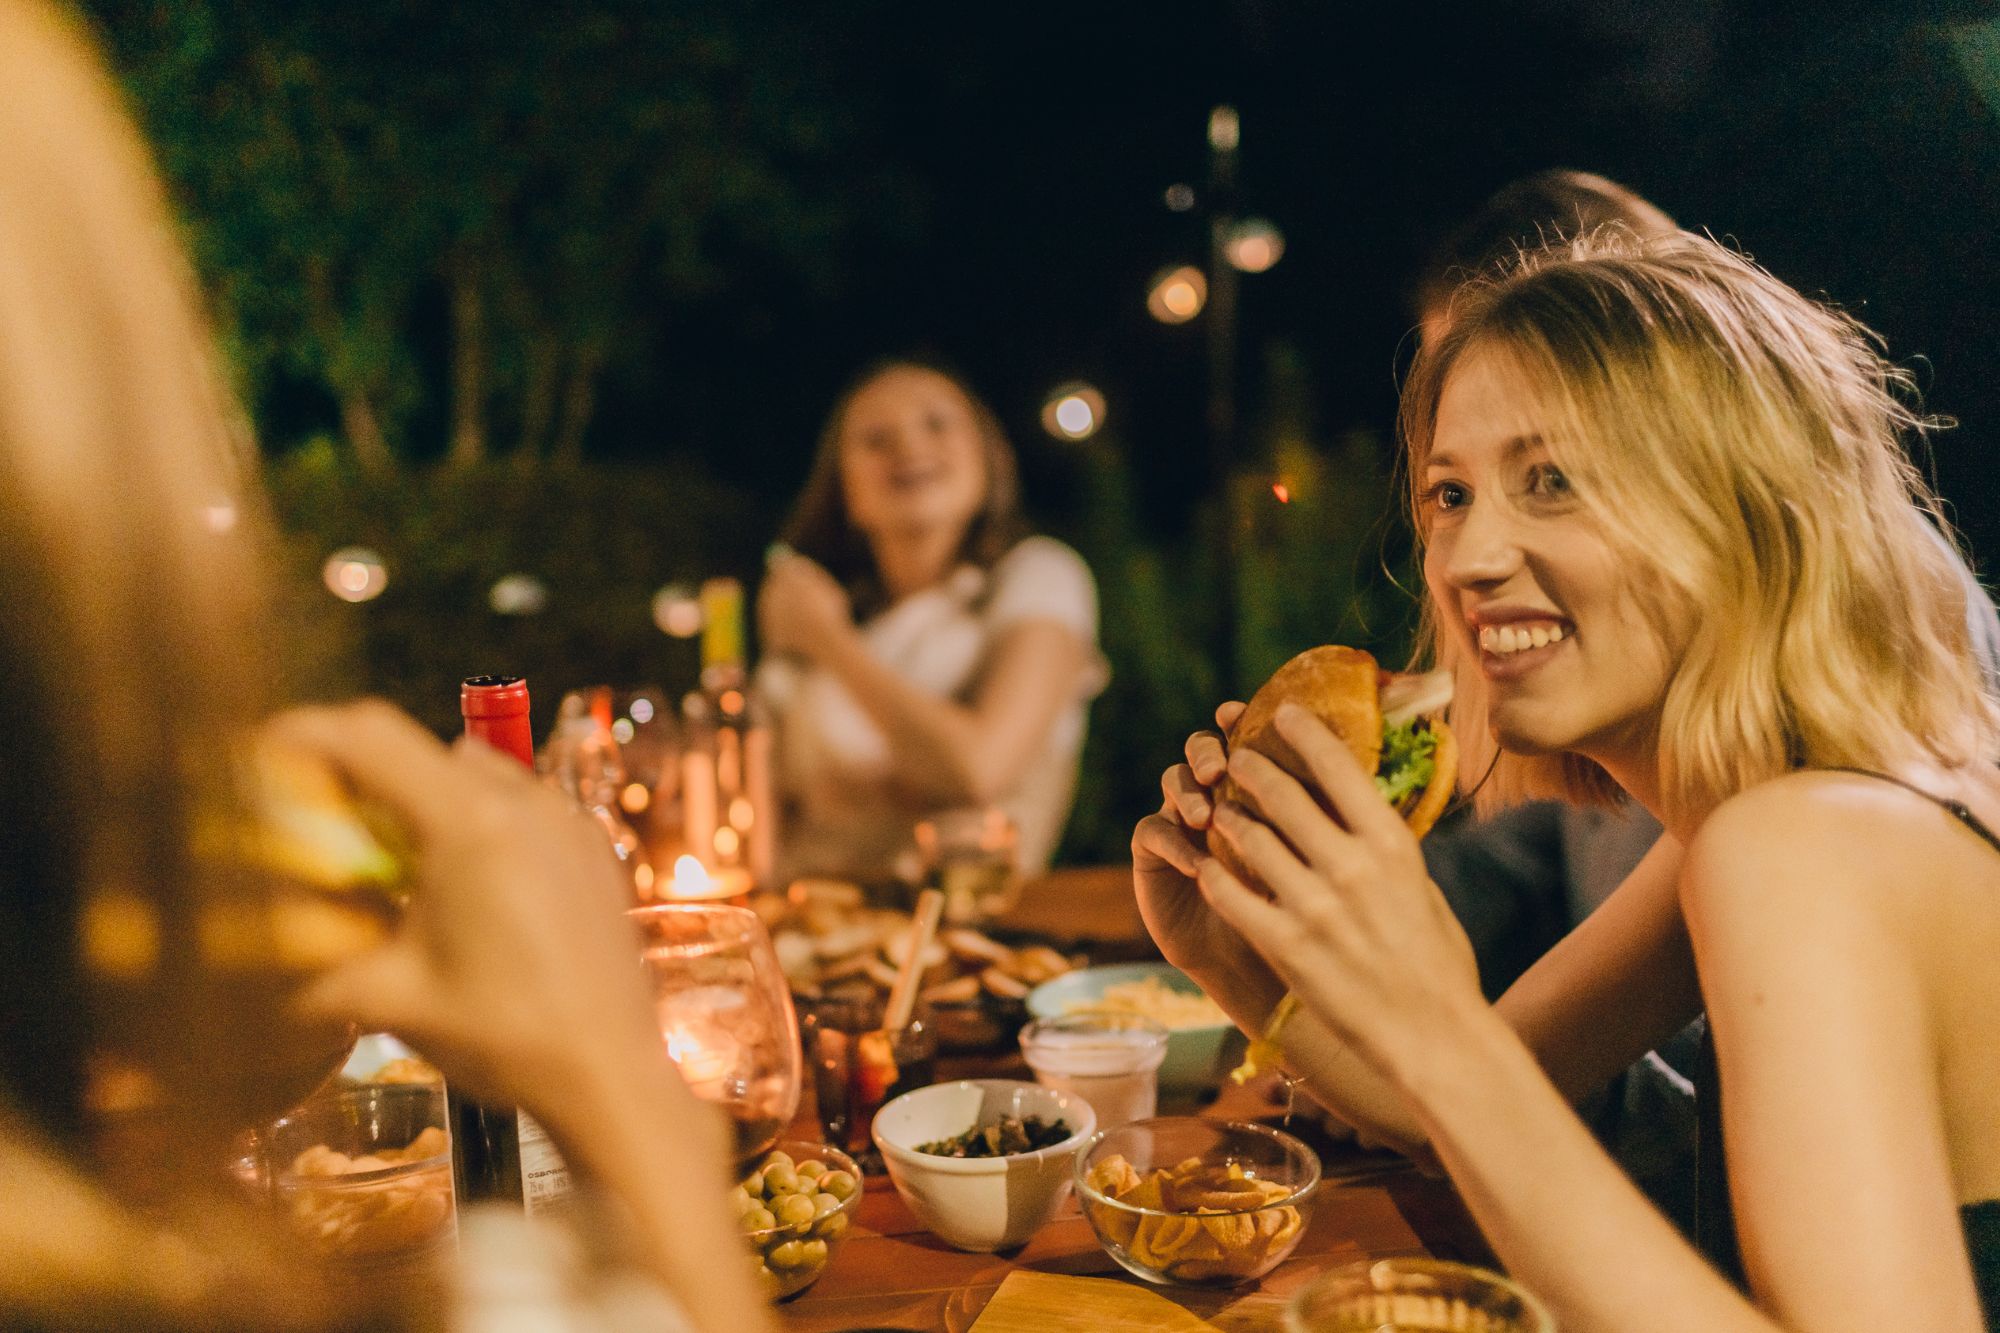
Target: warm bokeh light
355	574
518	595
1180	197
1282	491
1073	412
727	842
635	798
642	711
623	731
1177	295
677	611
1225	131
1254	246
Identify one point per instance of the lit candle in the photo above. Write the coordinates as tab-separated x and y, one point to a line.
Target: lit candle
706	1056
693	883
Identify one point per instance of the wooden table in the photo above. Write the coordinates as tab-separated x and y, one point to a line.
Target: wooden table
892	1274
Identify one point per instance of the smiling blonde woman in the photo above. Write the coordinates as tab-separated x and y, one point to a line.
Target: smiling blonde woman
1673	548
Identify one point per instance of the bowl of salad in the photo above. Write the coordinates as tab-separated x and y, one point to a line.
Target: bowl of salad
983	1162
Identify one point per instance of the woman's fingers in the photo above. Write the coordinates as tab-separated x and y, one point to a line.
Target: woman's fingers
1290	809
1265	853
1187	799
1207	757
1333	767
384	754
1227	713
1160	837
1263	923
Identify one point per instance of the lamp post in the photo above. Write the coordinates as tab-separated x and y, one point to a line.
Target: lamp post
1224	135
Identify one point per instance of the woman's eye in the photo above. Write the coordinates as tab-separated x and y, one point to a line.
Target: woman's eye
1446	495
1548	482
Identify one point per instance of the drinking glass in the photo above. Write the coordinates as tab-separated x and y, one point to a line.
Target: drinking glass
1414	1296
969	855
858	1066
725	1014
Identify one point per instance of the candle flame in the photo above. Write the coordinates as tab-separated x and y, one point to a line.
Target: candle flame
690	879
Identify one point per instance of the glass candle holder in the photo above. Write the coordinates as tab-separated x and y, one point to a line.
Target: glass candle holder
725	1014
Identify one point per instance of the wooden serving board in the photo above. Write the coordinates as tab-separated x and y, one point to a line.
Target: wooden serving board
1030	1302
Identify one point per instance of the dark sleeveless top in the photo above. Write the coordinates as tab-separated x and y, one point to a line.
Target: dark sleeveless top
1715	1229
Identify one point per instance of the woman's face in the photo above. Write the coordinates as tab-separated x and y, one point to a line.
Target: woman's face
1525	582
911	460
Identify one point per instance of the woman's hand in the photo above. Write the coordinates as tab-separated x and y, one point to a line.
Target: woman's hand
515	968
1357	929
1168	849
801	608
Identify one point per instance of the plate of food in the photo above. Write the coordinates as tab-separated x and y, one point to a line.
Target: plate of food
833	943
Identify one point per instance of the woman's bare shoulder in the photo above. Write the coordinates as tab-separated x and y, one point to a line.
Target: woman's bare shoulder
1815	836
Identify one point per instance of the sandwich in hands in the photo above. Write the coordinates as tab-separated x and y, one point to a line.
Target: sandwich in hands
1392	724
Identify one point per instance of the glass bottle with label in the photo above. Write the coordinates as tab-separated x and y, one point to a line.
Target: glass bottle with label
497	1152
727	803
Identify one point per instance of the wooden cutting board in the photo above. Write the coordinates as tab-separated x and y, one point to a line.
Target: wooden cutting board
1030	1302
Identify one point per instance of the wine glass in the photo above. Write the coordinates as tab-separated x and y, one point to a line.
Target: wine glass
725	1014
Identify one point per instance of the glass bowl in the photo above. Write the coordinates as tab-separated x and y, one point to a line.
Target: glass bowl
362	1173
791	1255
1184	1201
1414	1294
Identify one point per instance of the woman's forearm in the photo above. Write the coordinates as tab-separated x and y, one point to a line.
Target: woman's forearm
669	1174
959	753
1559	1213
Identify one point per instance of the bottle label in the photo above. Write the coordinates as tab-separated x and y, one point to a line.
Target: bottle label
544	1175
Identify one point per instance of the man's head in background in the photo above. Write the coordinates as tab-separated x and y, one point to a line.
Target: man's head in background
1523	215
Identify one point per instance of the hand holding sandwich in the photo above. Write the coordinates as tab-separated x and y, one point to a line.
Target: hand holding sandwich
1353	923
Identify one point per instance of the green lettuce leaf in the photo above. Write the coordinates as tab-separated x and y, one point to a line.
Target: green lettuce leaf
1409	758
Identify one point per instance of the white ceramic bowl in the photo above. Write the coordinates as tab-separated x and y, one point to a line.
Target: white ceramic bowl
980	1203
1198	1058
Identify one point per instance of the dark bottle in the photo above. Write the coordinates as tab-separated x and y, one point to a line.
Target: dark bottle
497	1152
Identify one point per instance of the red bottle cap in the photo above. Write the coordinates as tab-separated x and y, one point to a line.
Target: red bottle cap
495	709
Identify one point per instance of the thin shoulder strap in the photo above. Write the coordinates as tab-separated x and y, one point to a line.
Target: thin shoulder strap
1957	809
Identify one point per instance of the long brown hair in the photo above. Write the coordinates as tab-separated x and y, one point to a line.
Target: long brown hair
135	648
819	525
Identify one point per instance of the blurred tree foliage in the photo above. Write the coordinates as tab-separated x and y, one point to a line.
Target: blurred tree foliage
601	539
1327	563
549	175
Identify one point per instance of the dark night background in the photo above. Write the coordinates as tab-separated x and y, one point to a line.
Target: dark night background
1842	144
589	276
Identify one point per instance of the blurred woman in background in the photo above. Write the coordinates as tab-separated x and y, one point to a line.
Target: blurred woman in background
922	651
160	994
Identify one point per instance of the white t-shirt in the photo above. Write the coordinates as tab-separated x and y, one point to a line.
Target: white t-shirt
843	814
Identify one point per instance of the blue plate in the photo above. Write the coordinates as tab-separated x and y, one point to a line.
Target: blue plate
1197	1058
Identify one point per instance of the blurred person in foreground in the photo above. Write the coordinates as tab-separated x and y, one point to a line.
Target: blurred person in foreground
1693	479
160	995
922	650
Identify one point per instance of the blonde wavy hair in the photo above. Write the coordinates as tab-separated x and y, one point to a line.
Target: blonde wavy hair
1740	447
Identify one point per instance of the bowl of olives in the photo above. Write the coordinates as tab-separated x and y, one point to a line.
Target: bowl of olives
795	1207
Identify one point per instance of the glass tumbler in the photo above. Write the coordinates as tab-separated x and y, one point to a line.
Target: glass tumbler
858	1065
970	856
1414	1296
1110	1060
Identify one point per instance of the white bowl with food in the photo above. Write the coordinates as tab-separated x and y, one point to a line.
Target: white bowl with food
1202	1044
1020	1141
